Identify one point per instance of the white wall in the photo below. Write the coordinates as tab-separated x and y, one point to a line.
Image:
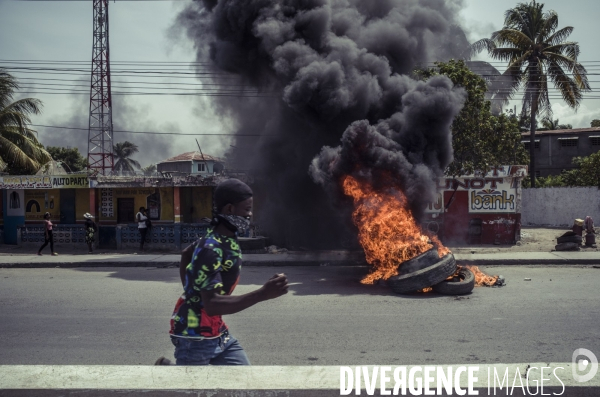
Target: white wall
559	206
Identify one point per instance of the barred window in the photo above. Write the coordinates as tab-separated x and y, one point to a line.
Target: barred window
568	142
595	140
527	144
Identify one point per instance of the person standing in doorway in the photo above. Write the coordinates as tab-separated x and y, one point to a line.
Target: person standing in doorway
47	235
142	226
90	231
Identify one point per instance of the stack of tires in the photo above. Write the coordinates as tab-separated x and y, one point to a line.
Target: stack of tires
570	241
429	270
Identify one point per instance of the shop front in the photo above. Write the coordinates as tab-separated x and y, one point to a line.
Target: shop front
478	209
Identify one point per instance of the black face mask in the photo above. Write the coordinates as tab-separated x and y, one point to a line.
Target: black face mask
236	223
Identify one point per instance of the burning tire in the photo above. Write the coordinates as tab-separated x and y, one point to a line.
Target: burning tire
419	262
463	286
425	277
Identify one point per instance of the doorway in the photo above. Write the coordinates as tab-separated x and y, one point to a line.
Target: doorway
125	210
67	206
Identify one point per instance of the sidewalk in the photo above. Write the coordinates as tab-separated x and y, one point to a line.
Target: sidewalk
322	258
535	248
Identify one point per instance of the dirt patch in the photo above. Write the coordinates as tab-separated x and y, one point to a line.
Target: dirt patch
533	239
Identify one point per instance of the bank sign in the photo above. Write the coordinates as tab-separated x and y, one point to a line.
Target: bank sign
73	181
495	192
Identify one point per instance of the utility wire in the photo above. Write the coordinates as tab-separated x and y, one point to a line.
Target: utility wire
150	132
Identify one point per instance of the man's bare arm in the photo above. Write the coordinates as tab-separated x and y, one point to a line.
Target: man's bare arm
216	304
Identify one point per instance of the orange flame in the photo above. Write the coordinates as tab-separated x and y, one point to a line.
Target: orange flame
388	231
482	279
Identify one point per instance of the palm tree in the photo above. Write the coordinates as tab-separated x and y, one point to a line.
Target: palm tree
536	51
149	170
552	125
123	152
20	149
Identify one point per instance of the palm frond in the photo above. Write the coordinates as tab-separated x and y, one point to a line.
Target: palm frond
13	155
480	45
579	72
568	49
513	18
559	36
29	145
548	26
509	54
511	37
568	87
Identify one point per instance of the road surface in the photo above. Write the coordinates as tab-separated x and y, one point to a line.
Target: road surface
99	316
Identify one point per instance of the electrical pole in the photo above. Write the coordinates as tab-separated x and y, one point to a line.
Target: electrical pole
100	132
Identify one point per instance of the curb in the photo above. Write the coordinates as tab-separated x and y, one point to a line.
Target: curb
275	381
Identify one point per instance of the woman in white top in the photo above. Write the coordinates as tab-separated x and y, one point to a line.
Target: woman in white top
142	226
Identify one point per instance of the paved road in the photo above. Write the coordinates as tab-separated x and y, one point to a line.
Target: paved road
120	316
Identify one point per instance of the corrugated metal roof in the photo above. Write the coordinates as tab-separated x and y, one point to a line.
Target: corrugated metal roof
191	156
573	131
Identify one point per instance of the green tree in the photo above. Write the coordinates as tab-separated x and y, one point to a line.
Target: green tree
587	172
71	157
480	139
149	170
595	123
551	125
549	181
20	150
537	52
124	164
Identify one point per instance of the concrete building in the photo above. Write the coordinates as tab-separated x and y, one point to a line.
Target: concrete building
555	150
191	163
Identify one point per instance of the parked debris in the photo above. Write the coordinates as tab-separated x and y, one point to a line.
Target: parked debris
567	247
501	282
273	249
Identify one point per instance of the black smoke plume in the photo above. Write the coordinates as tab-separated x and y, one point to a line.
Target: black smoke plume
322	70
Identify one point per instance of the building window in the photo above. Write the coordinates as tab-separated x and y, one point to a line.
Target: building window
538	174
201	167
595	140
527	144
568	142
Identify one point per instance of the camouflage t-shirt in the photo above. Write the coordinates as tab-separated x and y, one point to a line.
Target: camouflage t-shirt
215	265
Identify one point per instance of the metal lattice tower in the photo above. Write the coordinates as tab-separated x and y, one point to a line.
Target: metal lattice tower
100	133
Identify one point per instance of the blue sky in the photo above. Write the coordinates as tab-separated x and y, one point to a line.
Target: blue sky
141	31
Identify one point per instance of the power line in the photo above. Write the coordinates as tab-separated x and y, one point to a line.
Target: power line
150	132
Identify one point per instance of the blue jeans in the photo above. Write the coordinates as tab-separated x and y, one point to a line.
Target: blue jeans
224	350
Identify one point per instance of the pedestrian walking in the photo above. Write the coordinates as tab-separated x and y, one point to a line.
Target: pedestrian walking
209	271
47	235
90	231
142	220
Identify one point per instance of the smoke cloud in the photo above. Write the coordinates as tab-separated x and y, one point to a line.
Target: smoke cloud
325	70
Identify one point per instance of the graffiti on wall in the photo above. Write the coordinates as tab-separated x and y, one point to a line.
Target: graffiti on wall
39	202
486	195
15	202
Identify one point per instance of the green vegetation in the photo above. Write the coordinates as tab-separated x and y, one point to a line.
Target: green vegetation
73	160
480	139
124	164
537	52
20	150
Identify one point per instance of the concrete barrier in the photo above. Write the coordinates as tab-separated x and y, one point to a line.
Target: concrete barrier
274	381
